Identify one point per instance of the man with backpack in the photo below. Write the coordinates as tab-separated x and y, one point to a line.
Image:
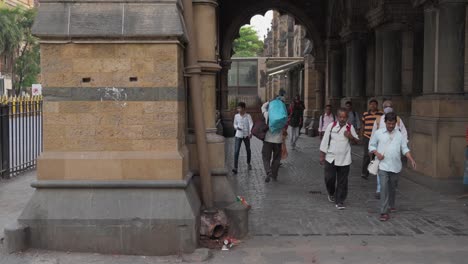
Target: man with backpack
327	118
335	154
276	116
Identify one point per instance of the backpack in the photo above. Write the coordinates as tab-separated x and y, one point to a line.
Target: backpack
277	116
380	117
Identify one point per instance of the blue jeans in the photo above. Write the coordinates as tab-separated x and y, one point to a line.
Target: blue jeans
237	148
389	183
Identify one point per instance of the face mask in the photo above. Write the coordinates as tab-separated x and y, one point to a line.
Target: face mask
388	110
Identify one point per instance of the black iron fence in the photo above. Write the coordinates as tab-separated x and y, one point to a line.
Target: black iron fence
20	134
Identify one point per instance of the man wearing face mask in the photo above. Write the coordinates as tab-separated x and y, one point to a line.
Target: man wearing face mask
380	124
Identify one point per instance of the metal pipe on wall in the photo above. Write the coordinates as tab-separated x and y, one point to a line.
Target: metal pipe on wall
193	71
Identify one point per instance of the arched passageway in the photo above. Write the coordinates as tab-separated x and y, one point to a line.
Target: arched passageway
309	15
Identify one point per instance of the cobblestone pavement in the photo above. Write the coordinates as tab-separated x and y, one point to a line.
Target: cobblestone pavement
297	204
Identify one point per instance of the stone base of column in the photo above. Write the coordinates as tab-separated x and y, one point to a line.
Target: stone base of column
437	135
223	192
311	122
114	217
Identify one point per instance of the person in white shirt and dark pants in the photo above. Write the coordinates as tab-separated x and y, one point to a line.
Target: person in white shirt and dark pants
387	144
243	125
335	154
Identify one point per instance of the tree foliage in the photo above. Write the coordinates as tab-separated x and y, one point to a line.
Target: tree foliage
18	44
248	44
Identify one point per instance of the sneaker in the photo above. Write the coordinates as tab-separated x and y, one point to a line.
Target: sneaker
250	167
384	217
377	196
234	171
340	206
331	198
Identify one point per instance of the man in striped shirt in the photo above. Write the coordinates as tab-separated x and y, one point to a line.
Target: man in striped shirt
368	120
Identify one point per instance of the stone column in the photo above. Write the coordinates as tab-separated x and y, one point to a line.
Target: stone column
115	162
206	30
335	76
430	25
439	117
314	90
451	47
391	62
355	67
378	62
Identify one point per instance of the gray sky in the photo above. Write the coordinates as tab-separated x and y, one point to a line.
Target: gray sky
262	23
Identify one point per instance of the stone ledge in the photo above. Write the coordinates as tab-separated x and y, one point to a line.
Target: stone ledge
57	94
110	19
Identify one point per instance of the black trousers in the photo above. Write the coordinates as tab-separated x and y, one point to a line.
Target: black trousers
271	156
336	180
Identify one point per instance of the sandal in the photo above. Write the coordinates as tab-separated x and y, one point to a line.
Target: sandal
384	217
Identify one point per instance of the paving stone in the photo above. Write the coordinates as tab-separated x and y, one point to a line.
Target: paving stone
297	203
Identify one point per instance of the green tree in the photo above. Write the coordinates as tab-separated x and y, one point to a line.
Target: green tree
248	44
18	44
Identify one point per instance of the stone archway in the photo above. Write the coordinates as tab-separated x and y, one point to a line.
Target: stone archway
310	15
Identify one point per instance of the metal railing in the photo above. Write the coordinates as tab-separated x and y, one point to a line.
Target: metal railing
20	134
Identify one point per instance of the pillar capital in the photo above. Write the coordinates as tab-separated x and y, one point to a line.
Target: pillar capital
226	64
348	35
393	12
206	2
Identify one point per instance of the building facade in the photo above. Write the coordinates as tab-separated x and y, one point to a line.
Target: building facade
131	93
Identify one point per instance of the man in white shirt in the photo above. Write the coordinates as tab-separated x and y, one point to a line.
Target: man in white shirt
243	125
327	118
387	144
380	124
335	154
272	146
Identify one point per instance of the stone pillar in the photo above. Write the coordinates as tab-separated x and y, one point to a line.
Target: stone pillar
370	70
430	26
355	68
115	161
206	30
314	90
451	48
335	77
439	117
391	63
378	62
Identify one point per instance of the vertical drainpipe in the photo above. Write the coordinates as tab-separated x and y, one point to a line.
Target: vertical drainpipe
193	71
